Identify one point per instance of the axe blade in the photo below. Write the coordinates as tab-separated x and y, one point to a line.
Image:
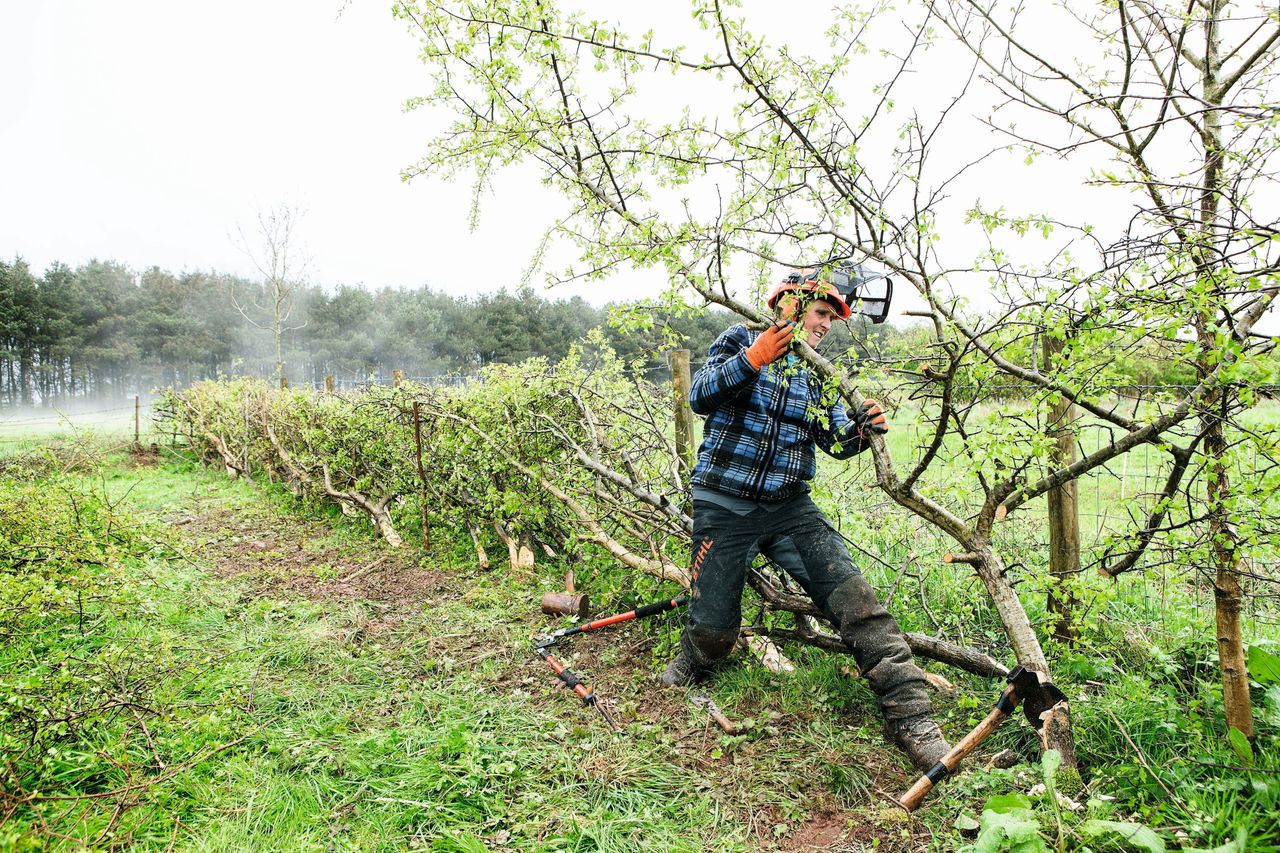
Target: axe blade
1036	692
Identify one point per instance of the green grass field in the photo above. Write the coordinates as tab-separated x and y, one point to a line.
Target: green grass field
235	671
284	710
22	430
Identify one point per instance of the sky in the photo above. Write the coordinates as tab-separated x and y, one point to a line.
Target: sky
150	132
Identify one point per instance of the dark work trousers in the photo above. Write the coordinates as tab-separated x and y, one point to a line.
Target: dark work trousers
796	535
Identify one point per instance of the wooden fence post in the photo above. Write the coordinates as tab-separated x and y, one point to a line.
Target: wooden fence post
244	407
680	383
328	383
137	420
422	473
284	383
1064	509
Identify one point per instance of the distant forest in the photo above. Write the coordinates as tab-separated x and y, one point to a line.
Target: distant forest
104	330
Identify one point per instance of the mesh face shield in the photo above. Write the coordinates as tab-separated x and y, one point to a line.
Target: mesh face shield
865	292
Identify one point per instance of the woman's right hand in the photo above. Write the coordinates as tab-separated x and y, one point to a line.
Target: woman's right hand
771	345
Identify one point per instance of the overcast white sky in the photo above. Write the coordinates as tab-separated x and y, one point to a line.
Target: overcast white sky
144	131
147	131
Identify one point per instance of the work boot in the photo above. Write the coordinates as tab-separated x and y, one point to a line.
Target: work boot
681	672
920	738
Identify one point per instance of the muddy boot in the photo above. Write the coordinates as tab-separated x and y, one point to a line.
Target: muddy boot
681	672
920	738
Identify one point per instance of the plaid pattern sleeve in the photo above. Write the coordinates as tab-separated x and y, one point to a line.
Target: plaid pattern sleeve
726	374
760	434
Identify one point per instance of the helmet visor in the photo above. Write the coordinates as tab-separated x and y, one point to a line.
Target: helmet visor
864	291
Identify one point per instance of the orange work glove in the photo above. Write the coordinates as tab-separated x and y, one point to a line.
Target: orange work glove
870	418
771	344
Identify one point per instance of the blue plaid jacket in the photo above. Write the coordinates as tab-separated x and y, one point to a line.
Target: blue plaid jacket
762	426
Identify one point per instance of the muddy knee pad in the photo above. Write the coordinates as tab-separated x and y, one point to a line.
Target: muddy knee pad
853	602
705	645
879	648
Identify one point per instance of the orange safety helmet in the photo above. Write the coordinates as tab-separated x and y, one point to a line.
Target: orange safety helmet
824	280
844	286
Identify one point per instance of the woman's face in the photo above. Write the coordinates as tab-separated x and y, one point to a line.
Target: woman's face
816	321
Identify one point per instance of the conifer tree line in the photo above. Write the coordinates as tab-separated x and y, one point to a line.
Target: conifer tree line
105	330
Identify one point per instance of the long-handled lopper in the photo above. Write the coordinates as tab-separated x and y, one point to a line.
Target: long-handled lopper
542	646
1030	687
639	613
574	683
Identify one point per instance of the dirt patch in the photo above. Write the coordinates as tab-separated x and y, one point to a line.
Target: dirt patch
822	831
830	828
283	553
143	456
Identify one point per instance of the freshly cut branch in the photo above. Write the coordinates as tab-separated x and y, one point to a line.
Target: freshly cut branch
233	464
923	645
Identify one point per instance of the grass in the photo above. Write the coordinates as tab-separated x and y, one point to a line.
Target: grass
33	426
281	718
296	726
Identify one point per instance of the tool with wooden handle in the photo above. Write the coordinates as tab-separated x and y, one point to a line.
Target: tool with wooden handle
1030	687
702	700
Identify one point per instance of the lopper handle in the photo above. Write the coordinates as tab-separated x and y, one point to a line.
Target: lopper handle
569	678
659	607
639	613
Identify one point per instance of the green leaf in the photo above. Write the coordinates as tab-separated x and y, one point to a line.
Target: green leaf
1005	803
966	822
1241	745
1049	764
1269	709
1135	835
1014	831
1264	667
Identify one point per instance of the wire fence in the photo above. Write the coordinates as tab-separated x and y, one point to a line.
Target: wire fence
1170	591
28	427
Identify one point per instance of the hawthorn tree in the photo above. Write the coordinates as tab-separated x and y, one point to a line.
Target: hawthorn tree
1172	115
719	162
